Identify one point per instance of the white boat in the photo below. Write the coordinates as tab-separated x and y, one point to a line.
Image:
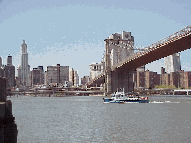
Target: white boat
120	97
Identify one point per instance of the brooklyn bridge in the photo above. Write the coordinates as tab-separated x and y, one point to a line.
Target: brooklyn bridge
121	59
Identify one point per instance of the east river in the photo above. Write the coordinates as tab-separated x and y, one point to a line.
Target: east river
84	119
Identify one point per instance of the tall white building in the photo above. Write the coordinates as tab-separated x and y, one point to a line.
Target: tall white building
0	61
76	79
73	77
25	68
172	63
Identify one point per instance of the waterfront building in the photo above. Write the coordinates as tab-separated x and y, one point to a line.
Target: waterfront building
172	63
140	79
174	79
151	79
96	69
146	79
164	77
187	79
181	79
85	80
57	74
25	68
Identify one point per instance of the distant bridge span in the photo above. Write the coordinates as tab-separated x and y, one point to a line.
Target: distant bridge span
116	75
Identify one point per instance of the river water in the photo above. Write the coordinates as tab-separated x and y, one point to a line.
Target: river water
86	119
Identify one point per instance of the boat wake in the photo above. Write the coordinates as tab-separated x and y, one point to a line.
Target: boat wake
163	102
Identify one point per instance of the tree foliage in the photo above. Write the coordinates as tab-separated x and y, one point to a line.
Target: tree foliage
166	87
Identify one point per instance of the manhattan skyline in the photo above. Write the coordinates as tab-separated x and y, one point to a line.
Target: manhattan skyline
72	33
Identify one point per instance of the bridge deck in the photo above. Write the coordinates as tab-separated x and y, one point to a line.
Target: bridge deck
176	42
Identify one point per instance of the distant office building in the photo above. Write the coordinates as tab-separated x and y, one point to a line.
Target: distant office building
64	74
96	69
45	77
42	74
85	80
57	74
172	63
25	68
0	61
9	73
76	79
36	76
18	78
71	76
29	77
9	60
1	72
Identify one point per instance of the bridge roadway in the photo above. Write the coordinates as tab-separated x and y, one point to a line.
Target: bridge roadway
174	43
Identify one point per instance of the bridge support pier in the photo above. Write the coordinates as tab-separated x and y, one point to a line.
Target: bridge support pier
8	128
122	81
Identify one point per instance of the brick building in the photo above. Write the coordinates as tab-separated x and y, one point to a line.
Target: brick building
57	74
151	79
174	79
9	74
85	80
140	79
187	79
36	76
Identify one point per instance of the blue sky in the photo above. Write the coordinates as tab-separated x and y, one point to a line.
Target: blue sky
72	32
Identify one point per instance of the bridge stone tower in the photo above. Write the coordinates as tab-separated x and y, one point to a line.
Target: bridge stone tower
115	52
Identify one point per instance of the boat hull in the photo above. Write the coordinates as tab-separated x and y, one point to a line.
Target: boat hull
108	100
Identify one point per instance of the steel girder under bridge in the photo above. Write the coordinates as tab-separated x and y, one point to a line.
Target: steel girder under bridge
120	75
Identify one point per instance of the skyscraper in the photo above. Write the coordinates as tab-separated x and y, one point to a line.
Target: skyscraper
9	60
172	63
0	61
9	73
24	64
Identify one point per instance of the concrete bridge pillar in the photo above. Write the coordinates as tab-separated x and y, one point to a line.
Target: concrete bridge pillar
107	69
122	80
115	80
8	128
